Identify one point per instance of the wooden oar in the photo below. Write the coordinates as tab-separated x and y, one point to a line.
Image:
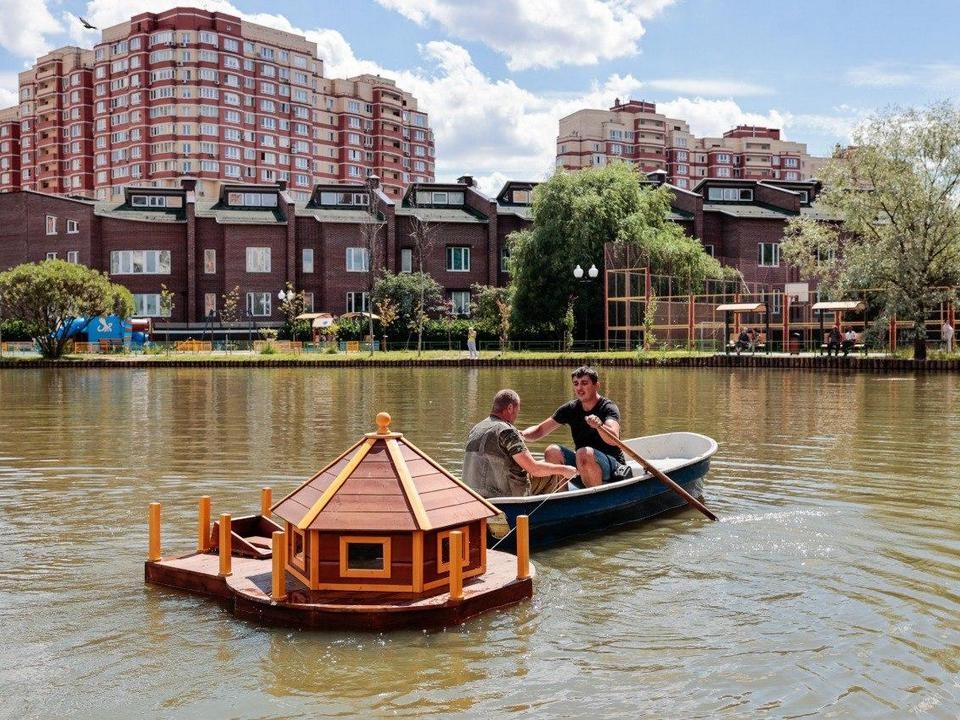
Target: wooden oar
691	500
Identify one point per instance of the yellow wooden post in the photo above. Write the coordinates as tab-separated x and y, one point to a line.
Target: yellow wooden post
523	547
203	525
225	549
279	547
266	500
153	553
456	566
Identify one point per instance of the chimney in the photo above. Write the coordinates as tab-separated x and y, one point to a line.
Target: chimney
466	180
281	185
188	183
373	181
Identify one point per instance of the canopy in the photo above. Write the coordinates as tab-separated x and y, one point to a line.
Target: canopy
360	314
846	305
742	307
317	320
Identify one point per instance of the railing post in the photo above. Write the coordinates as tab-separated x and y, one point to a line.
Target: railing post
523	547
266	500
203	525
279	549
456	566
225	549
153	524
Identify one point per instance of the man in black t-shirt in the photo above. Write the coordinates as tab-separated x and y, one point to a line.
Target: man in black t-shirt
596	460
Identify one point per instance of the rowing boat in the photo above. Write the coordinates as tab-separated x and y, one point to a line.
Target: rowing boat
683	456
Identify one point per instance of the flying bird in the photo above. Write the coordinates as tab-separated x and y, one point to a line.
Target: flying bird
87	25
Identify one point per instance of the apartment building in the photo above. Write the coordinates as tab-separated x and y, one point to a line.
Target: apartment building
207	95
634	132
10	147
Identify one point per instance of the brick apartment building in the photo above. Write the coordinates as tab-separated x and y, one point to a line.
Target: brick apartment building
211	96
636	133
257	238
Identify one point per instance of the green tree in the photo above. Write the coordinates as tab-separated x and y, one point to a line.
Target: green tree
48	296
414	296
166	310
490	311
290	307
575	215
895	197
387	312
230	310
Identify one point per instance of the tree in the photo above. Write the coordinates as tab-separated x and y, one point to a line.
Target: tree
230	311
369	233
424	236
166	309
490	311
575	215
896	198
290	307
387	311
49	296
413	294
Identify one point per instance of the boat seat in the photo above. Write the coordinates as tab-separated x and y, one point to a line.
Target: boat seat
664	465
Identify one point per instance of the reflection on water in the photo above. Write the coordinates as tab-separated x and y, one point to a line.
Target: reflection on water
831	588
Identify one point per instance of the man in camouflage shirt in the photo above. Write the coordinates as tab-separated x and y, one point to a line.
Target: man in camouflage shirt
497	462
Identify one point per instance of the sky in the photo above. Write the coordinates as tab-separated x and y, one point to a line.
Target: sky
496	76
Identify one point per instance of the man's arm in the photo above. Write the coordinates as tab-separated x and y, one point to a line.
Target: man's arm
539	468
535	432
610	424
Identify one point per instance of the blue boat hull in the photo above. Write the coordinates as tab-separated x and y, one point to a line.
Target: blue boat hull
567	515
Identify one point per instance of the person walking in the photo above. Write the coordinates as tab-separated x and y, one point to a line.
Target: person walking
472	343
946	334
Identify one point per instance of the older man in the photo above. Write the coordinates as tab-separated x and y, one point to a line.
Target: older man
497	462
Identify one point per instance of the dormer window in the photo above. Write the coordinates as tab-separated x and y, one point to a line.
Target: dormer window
154	201
245	199
521	197
716	194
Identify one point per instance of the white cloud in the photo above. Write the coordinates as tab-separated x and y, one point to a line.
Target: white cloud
695	86
9	89
711	118
878	75
26	27
541	33
935	76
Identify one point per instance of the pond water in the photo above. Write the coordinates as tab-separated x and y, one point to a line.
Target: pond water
829	588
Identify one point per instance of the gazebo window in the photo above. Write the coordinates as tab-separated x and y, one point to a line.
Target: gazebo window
443	548
366	557
298	549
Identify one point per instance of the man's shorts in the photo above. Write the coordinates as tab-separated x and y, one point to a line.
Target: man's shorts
608	465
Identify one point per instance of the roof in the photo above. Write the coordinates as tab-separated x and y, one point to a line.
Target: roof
121	211
742	307
742	210
854	305
334	215
521	211
818	214
237	216
440	214
382	484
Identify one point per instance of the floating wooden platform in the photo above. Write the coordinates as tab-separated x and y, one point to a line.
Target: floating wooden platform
247	593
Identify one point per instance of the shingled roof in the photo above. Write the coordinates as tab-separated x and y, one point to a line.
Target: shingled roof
382	483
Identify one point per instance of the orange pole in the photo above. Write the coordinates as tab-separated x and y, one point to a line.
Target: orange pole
225	549
266	500
203	525
523	547
279	589
153	525
456	566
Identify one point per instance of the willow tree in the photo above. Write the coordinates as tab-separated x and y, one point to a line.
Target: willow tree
49	296
574	217
895	195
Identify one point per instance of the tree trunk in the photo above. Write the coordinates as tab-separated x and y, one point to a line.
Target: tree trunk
919	340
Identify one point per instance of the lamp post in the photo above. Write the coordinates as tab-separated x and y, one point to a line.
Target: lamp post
284	297
592	274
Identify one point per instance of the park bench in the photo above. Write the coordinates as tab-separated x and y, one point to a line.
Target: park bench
859	346
759	344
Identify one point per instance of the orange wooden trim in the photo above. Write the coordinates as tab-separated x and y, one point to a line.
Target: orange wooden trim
413	497
364	588
335	485
465	547
298	562
298	575
483	544
314	556
461	483
320	472
445	582
456	569
346	571
418	561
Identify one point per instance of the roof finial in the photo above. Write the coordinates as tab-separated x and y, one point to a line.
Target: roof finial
383	423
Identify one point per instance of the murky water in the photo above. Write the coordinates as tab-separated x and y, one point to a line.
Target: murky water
831	588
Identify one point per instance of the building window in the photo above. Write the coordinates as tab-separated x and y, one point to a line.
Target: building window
723	172
258	260
209	305
73	256
710	250
406	260
358	302
148	305
505	260
51	256
768	254
140	262
308	302
723	158
358	259
209	261
72	227
51	225
364	557
458	259
460	302
258	304
443	549
308	260
729	194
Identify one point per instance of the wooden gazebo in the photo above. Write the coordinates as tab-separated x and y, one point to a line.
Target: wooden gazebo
378	519
736	309
839	307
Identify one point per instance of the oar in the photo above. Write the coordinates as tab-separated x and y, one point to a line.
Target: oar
691	500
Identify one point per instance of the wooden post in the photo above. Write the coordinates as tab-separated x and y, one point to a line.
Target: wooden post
203	525
691	311
266	500
153	524
225	549
893	334
456	566
523	547
279	548
785	309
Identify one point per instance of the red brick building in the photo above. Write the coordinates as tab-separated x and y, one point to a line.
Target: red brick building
205	94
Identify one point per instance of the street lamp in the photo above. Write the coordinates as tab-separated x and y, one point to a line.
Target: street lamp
592	274
287	296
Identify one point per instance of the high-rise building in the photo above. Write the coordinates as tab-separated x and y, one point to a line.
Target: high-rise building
636	133
205	94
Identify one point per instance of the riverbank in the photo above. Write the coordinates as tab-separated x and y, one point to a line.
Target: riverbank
809	362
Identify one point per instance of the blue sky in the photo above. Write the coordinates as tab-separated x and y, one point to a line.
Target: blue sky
496	76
